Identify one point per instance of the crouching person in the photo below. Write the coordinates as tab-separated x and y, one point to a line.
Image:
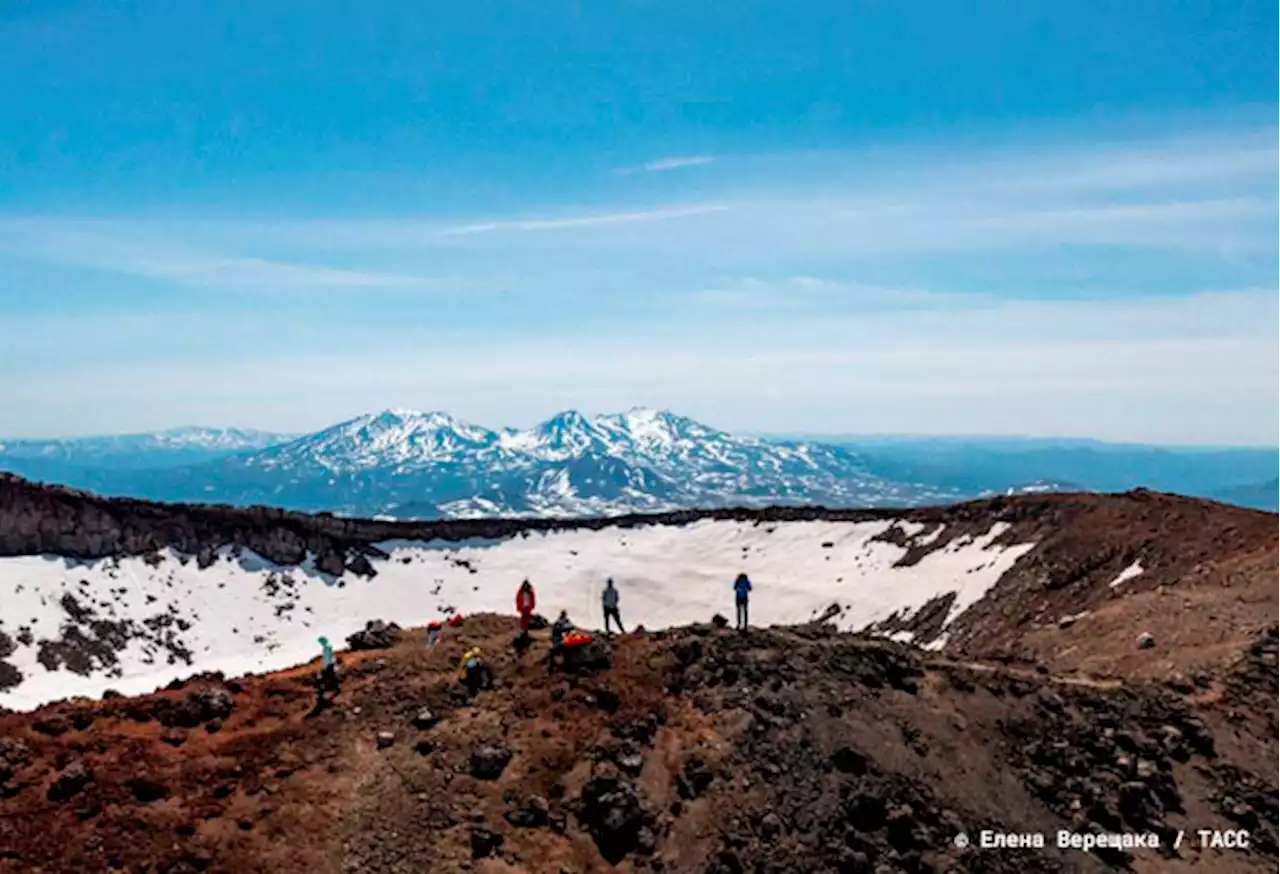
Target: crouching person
474	673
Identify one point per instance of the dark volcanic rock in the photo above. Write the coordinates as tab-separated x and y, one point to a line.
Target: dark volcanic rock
488	762
485	842
593	656
74	778
694	777
376	634
215	703
195	708
361	566
534	813
611	809
52	726
146	788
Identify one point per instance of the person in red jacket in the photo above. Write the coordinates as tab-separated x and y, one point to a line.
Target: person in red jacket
525	603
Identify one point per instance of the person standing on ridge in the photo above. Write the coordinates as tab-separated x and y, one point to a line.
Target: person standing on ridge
741	591
610	601
525	602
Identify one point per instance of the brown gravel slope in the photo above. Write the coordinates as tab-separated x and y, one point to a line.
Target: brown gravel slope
699	750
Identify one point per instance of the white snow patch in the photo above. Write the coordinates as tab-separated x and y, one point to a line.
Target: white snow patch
931	536
667	575
1127	574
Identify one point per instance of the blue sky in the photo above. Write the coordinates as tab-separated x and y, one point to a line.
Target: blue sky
1021	218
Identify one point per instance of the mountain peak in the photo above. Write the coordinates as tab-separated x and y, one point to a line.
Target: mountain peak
568	419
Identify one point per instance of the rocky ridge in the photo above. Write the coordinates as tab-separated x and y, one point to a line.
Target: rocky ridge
698	750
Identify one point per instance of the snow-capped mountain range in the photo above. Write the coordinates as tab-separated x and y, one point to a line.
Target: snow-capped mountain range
412	464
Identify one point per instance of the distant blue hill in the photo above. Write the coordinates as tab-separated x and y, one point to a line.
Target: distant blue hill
1241	475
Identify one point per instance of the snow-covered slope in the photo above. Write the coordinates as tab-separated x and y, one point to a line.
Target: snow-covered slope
132	624
423	465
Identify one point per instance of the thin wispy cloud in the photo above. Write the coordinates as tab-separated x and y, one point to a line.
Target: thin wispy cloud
590	221
662	165
159	260
1024	294
806	293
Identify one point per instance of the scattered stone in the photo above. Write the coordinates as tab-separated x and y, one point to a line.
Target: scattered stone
488	762
54	726
534	813
74	778
174	737
361	566
485	842
770	825
630	763
832	611
848	761
719	621
386	739
694	777
147	789
1146	640
424	719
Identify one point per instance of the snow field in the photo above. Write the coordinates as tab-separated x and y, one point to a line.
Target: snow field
246	615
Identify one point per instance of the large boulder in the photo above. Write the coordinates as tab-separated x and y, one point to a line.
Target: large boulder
612	811
593	656
205	705
376	634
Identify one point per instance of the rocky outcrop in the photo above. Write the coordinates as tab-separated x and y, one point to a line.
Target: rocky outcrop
376	634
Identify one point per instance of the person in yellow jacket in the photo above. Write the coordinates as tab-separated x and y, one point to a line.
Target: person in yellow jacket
473	672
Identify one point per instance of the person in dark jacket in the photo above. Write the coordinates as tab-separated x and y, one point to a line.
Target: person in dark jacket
559	629
741	592
610	601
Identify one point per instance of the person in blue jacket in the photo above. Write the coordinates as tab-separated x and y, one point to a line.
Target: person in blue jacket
327	680
741	590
